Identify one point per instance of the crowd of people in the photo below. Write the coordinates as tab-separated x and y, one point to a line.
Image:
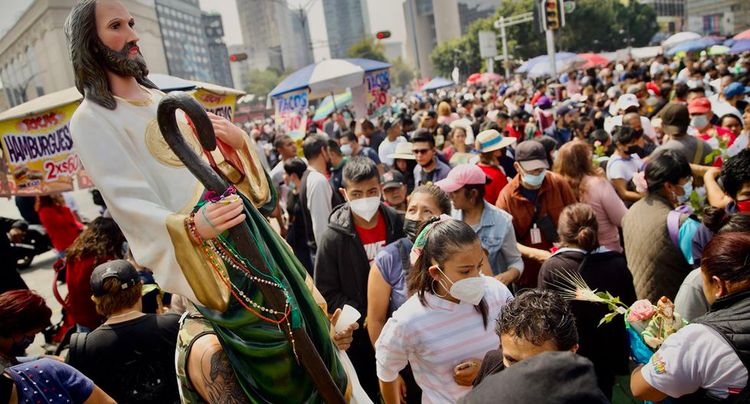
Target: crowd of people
448	224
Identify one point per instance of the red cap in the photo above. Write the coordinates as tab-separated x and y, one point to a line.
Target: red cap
653	88
699	106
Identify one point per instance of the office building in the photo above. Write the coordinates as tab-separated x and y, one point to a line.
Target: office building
670	14
274	36
218	55
185	42
347	23
718	17
34	56
430	23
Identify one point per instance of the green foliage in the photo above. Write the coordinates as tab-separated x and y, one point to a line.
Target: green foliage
401	73
261	82
367	48
594	26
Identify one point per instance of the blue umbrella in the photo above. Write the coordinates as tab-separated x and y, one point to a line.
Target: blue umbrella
693	45
437	83
740	46
529	64
328	76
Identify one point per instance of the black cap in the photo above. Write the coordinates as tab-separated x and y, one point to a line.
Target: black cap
20	225
531	155
392	179
391	122
675	118
123	270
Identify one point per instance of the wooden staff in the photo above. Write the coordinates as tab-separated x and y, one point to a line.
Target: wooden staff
238	235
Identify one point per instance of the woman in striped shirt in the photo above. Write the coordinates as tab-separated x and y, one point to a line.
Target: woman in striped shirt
443	330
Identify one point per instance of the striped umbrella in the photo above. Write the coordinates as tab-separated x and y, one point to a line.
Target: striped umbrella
329	104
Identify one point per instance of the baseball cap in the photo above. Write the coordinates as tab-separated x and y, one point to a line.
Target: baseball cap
530	154
460	175
544	102
675	119
392	179
735	89
490	140
123	270
626	101
403	151
699	105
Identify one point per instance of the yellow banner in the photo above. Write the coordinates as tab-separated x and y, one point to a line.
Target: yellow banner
221	105
39	153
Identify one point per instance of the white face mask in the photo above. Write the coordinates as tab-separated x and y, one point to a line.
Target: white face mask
365	208
467	290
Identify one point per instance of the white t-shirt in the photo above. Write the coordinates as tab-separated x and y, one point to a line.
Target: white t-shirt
319	193
696	357
618	167
610	123
387	147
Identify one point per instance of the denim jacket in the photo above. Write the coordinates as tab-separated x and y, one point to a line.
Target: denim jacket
496	233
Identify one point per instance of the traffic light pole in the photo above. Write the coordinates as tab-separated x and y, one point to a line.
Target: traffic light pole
509	22
551	52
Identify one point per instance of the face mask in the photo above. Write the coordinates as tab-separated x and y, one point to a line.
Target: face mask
699	121
19	347
292	186
410	229
688	189
468	290
534	180
365	207
743	206
346	150
635	150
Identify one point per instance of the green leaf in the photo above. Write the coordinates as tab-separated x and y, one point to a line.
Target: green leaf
606	319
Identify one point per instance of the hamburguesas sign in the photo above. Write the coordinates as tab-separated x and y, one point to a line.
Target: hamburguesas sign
39	152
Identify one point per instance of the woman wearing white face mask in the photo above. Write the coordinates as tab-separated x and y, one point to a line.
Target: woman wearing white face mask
445	328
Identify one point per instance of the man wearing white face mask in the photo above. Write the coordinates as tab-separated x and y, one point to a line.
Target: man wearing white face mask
357	231
535	197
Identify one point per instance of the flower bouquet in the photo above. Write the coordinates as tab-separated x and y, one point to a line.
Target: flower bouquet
648	325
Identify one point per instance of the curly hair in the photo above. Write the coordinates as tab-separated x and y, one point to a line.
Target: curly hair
736	173
538	316
101	240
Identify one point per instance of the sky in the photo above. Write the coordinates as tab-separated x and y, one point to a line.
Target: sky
384	15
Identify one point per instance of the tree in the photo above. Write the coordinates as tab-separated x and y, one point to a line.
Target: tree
367	49
401	73
261	82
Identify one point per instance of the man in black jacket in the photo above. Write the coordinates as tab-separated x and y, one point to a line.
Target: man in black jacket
356	231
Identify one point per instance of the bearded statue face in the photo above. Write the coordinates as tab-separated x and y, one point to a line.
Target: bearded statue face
103	40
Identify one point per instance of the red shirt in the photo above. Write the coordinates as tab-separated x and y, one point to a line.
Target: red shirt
373	240
77	276
62	227
499	181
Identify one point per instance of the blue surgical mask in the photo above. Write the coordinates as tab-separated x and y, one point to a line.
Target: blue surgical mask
688	189
534	180
346	150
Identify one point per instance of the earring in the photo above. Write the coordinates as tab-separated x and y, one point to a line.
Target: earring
434	292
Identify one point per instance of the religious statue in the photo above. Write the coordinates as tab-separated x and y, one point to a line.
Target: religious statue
178	229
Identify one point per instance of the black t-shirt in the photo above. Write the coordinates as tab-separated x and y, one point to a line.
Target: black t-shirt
132	361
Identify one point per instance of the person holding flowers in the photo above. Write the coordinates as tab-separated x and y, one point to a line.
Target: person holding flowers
707	361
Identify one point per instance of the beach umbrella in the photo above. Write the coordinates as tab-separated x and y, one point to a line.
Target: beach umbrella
740	46
718	50
680	37
529	64
438	83
488	77
474	78
742	35
593	60
328	76
562	66
330	103
693	45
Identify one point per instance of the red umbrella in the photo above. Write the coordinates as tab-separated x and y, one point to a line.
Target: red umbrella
593	60
743	35
488	77
474	78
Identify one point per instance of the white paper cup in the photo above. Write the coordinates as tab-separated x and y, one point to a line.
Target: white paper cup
349	315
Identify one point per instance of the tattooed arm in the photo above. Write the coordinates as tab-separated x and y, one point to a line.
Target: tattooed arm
211	374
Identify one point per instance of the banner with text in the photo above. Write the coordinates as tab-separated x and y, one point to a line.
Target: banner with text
291	113
378	99
39	155
221	105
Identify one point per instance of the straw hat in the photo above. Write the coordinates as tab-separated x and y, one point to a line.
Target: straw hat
403	151
491	140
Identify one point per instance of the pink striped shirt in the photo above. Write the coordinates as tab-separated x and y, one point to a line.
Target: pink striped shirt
437	337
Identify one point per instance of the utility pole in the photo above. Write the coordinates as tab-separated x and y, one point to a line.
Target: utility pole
553	18
501	24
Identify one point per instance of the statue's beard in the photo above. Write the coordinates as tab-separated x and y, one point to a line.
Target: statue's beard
119	63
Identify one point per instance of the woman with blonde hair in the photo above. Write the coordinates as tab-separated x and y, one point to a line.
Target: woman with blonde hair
575	163
445	114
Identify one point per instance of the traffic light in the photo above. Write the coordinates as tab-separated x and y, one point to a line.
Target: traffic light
237	57
552	14
383	34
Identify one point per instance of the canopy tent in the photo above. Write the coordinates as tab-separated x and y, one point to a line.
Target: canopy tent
679	38
329	104
529	64
647	52
593	60
693	45
328	76
42	104
438	83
